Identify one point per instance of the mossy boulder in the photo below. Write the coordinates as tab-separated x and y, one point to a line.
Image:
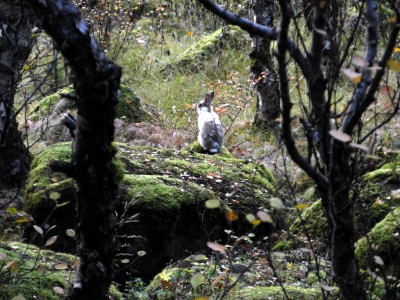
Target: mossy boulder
33	273
129	106
382	241
196	56
46	117
312	222
161	204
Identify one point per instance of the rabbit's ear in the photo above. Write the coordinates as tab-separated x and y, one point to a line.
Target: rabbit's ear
209	97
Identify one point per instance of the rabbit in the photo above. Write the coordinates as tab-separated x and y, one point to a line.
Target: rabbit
210	129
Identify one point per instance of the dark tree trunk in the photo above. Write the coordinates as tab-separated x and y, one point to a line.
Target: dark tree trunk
16	43
263	70
96	83
340	214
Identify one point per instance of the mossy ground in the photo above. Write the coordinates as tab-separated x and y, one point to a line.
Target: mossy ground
203	276
35	272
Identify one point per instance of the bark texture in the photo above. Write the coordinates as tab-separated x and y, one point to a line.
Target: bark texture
263	71
96	81
16	23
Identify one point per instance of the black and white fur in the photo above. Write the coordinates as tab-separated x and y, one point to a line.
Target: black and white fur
210	129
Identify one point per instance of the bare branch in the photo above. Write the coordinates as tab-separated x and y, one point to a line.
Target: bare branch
354	113
257	29
350	118
286	103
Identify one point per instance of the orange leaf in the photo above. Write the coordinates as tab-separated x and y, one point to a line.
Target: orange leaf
231	216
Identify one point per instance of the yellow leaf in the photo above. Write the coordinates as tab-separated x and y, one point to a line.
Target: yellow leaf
256	222
14	268
396	49
301	206
392	19
393	65
23	220
189	33
26	67
165	276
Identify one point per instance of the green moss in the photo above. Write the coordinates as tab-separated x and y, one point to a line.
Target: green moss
45	106
195	147
386	240
37	275
41	180
206	47
284	246
389	170
315	223
275	292
165	179
30	281
163	193
129	106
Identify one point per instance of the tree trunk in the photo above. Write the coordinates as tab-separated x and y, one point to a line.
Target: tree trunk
96	81
263	70
15	45
339	211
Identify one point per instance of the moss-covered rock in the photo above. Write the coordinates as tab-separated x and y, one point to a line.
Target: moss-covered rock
165	191
46	117
34	273
129	106
312	222
47	105
198	54
387	171
383	241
